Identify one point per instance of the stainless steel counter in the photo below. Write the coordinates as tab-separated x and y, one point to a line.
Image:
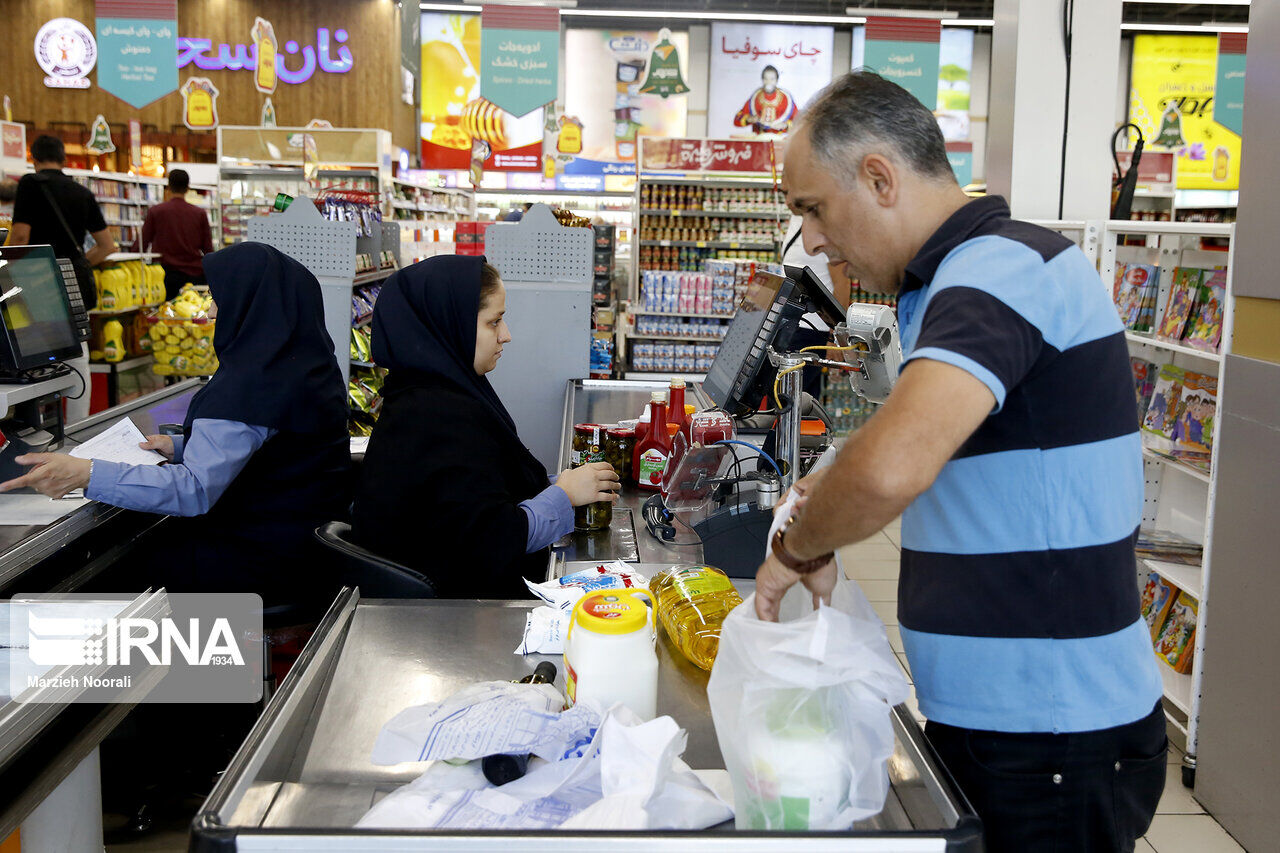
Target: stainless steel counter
303	777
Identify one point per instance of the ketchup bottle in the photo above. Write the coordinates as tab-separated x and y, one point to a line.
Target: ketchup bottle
655	448
675	410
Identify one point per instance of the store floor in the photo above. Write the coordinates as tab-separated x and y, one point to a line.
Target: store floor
1181	824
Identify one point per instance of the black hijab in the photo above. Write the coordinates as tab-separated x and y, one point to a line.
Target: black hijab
424	325
276	366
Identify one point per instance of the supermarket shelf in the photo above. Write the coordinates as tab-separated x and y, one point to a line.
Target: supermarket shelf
1200	199
662	377
248	203
713	182
553	194
99	312
1185	578
703	339
131	256
1177	686
712	244
1156	343
121	366
635	313
1184	229
106	199
125	223
372	277
1176	465
719	214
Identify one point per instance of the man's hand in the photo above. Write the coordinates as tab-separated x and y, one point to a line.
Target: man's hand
51	474
774	579
162	444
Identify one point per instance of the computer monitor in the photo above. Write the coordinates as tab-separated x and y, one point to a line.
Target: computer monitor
768	316
35	310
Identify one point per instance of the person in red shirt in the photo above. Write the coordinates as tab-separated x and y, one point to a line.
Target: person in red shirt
180	233
770	109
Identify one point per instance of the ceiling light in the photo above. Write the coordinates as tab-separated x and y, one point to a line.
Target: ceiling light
561	4
970	22
1190	2
870	11
1206	27
673	16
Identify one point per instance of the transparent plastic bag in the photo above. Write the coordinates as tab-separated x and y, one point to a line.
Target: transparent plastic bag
802	714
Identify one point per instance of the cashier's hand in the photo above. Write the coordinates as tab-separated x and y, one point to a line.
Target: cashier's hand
774	579
51	474
595	481
162	444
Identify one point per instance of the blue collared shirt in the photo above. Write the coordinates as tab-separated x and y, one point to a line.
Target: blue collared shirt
201	471
550	517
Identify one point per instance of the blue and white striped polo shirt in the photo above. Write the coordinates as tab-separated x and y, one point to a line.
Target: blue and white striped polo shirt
1018	600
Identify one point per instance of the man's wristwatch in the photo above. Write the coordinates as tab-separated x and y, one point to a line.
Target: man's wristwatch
792	562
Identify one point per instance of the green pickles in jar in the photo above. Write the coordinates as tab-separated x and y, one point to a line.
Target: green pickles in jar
619	443
589	446
596	516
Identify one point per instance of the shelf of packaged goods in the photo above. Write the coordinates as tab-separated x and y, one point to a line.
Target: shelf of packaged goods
686	338
121	366
99	312
712	244
372	277
125	223
1184	577
131	256
664	376
400	204
1189	470
526	194
1156	343
1177	686
1180	229
635	313
730	214
106	199
762	183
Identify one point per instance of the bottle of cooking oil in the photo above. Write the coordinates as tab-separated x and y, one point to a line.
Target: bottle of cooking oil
692	603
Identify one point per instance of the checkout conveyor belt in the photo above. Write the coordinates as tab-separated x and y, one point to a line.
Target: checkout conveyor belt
304	776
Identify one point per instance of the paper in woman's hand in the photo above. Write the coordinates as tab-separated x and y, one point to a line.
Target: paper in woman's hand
119	443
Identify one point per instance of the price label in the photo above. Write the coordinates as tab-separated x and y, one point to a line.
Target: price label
676	214
701	244
733	245
664	242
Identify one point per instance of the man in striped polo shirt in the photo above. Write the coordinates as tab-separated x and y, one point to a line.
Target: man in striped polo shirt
1010	448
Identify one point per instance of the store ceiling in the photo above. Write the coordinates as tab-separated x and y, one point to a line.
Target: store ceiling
1147	12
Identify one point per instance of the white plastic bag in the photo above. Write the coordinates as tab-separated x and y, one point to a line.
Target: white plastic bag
802	714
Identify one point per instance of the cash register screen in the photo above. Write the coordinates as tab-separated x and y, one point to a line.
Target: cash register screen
742	354
35	309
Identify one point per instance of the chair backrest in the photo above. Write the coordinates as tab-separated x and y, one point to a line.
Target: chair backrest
376	576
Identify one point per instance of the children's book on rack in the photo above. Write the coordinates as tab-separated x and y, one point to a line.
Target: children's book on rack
1184	293
1204	327
1144	381
1135	293
1180	417
1177	640
1158	596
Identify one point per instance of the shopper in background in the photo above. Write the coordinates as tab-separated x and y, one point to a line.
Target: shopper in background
180	233
52	209
263	459
1010	447
515	214
447	488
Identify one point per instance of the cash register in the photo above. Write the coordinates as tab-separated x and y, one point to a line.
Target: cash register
754	362
42	324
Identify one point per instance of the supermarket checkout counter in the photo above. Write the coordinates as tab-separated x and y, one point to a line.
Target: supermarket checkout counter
304	776
42	745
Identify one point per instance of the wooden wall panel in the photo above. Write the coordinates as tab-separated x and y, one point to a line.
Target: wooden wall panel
366	96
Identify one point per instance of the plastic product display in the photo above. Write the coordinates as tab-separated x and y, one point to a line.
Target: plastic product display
693	602
125	285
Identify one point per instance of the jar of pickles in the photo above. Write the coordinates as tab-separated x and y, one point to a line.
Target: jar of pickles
619	442
588	446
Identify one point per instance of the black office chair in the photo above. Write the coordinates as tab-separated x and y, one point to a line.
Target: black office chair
377	577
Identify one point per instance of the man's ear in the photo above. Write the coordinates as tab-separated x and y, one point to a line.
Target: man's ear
882	178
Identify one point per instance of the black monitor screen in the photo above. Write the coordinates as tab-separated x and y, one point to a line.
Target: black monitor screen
35	309
742	355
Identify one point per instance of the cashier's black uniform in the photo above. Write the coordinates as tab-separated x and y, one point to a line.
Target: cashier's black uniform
445	470
276	370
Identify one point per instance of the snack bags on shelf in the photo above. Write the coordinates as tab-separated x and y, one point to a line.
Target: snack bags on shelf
182	335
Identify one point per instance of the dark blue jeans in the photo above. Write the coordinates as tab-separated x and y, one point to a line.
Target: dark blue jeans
1076	792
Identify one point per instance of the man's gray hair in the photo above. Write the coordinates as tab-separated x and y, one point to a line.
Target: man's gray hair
862	110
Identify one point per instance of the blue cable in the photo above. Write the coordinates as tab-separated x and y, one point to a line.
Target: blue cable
767	457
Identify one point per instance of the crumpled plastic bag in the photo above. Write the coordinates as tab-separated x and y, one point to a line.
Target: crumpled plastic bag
629	777
802	714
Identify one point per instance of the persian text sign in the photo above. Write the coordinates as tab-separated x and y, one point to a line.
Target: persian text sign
138	49
519	57
905	50
1228	100
708	155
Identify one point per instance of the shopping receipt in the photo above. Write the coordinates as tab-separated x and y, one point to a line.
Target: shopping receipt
118	443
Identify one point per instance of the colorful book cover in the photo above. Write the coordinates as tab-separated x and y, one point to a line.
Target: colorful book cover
1182	299
1192	430
1177	640
1136	300
1144	381
1121	269
1157	599
1204	329
1166	403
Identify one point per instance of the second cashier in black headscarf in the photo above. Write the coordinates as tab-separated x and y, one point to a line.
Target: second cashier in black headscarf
264	456
447	488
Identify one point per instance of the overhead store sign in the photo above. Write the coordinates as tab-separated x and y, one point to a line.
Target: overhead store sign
1228	101
330	55
762	74
66	52
138	43
905	50
708	155
199	103
13	139
519	57
1172	97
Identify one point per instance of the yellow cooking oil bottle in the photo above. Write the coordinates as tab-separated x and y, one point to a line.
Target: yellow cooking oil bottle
692	604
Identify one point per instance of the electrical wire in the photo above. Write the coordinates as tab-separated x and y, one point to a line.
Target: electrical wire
83	386
781	373
766	456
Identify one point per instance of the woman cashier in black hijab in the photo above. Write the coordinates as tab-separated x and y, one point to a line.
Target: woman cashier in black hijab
447	488
264	456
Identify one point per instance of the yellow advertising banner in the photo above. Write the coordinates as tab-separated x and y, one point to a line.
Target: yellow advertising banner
1171	91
